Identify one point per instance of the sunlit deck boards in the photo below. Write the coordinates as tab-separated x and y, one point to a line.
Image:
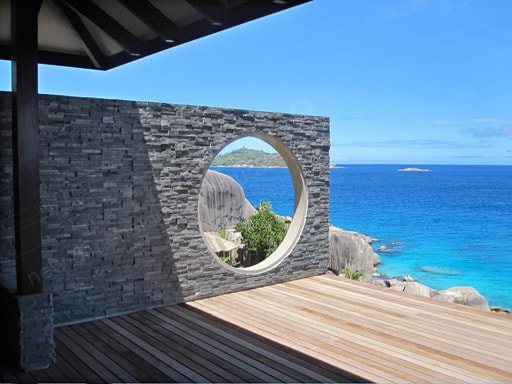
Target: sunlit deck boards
373	332
318	329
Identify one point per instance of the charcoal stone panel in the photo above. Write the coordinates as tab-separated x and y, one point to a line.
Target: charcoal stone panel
120	182
26	330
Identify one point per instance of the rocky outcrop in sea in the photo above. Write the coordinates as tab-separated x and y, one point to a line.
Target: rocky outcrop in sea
351	250
460	295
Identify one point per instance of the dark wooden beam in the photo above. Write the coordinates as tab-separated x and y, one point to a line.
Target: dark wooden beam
25	121
68	60
53	58
93	50
154	19
212	10
224	17
107	24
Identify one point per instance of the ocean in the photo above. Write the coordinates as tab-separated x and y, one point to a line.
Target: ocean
448	227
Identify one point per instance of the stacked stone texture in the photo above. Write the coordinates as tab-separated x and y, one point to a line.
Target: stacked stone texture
7	250
120	182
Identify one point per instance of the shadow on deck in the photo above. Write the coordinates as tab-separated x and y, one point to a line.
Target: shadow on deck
173	344
319	329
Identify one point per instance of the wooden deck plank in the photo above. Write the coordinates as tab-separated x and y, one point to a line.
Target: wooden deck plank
197	355
51	375
70	372
269	356
379	341
127	355
92	358
342	353
174	368
66	353
419	328
284	334
242	341
485	320
390	325
137	355
319	329
418	346
462	325
100	351
243	365
449	330
475	359
56	375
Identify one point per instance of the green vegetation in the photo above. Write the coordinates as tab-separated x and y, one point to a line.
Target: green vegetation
352	274
225	258
262	233
244	157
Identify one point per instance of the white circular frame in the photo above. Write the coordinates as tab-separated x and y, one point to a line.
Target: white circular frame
299	215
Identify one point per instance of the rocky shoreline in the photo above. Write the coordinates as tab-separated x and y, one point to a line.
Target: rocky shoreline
465	295
222	204
353	251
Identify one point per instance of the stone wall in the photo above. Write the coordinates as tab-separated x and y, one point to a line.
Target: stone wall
119	202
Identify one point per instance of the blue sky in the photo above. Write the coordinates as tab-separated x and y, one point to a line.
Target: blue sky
403	81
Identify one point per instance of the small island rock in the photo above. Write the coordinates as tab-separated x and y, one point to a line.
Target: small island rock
414	169
414	288
467	296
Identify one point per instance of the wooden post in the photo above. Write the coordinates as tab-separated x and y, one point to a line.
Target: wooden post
27	215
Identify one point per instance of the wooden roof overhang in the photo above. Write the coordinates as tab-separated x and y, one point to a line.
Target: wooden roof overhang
95	34
103	34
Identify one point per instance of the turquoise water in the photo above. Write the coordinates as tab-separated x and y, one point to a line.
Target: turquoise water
451	226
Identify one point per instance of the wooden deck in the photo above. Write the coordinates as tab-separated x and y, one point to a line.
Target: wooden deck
320	329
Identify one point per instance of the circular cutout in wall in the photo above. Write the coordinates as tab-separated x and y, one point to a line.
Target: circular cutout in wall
253	204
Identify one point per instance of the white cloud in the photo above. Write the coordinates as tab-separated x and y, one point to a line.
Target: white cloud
490	120
442	122
489	132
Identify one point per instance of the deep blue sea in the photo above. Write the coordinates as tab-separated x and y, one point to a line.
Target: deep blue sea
451	226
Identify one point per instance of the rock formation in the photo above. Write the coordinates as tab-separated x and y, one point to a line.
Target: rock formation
351	250
413	287
222	202
460	295
413	169
467	296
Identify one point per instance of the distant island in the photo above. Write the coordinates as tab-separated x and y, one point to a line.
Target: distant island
413	170
249	158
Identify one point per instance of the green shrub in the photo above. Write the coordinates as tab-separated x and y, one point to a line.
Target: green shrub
262	233
352	274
